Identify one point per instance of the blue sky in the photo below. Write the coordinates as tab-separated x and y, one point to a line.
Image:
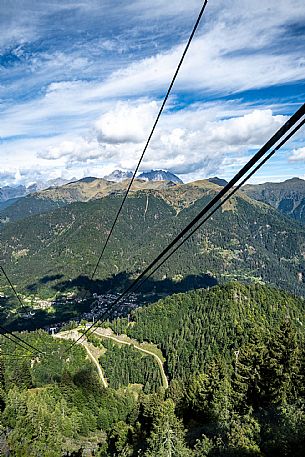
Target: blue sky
81	83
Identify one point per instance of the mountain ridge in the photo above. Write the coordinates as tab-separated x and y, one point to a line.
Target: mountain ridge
118	175
287	196
262	244
82	190
11	192
160	175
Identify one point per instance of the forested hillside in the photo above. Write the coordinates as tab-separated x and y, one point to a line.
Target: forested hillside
55	405
288	196
239	391
125	365
83	190
25	207
192	328
235	356
56	251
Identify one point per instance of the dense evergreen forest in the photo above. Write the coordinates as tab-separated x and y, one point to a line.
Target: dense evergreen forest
235	359
125	365
288	196
193	328
52	253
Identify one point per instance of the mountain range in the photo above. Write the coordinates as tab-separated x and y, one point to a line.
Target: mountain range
52	239
287	197
13	192
153	175
9	194
118	175
83	190
160	175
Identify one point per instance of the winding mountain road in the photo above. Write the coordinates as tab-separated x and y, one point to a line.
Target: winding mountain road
102	333
74	335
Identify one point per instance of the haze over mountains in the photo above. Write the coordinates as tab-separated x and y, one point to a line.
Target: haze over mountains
11	192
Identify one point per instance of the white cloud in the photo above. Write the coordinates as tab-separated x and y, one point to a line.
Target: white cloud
76	150
161	8
32	159
234	51
80	90
208	144
183	147
9	175
298	155
198	140
250	129
126	123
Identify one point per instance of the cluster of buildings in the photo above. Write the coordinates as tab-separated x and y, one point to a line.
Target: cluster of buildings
98	305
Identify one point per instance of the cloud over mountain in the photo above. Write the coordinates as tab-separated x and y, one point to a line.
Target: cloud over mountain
82	98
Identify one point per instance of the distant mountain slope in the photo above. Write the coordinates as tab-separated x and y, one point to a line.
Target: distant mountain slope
11	192
118	175
288	196
27	206
5	204
41	185
159	175
54	197
86	179
7	192
218	181
246	240
153	175
82	190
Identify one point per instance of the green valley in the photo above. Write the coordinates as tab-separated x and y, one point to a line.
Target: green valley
56	252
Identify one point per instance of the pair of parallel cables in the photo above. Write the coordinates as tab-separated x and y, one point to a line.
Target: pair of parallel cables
290	128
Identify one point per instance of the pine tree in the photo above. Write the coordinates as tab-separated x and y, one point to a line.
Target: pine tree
243	436
280	368
167	436
209	393
246	379
21	376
